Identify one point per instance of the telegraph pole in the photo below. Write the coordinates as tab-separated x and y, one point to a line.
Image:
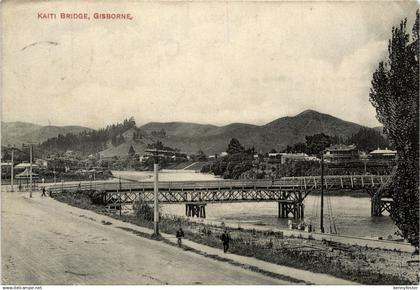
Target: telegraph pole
322	193
155	154
156	192
11	174
30	171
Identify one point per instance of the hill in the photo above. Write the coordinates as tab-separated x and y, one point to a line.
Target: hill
122	150
188	137
20	132
191	137
179	128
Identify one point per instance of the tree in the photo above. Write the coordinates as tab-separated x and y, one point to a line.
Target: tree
201	156
395	96
368	139
317	143
131	151
300	148
234	147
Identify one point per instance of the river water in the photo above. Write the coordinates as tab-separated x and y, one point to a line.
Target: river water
351	215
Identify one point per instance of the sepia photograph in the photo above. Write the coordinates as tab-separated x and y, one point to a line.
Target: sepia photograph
222	143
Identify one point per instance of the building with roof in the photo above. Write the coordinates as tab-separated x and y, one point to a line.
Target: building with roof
384	154
41	162
26	175
283	157
293	157
341	153
25	165
165	154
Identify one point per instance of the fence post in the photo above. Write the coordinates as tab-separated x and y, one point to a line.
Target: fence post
119	195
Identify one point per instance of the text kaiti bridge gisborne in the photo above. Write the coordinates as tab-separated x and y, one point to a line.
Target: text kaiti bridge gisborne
289	192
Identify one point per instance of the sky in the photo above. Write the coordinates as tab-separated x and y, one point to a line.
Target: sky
210	62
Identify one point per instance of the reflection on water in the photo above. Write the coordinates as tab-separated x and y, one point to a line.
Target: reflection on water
351	215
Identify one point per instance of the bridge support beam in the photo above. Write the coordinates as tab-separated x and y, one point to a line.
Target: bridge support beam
380	205
195	210
287	207
386	205
375	206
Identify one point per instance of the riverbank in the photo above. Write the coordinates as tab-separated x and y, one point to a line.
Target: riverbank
356	263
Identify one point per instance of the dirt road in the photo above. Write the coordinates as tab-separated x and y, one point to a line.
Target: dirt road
46	242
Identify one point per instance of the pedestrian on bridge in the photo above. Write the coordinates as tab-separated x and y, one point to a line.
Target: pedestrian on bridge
179	236
225	237
43	192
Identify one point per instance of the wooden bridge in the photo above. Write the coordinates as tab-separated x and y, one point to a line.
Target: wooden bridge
289	192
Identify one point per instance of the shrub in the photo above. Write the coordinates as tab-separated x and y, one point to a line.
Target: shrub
143	211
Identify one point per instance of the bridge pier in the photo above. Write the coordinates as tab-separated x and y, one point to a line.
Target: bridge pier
295	208
375	206
195	210
379	205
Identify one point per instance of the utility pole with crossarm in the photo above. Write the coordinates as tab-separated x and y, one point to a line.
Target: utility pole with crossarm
155	153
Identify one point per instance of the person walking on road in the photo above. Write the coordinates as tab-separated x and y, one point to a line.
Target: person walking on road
43	192
179	236
225	240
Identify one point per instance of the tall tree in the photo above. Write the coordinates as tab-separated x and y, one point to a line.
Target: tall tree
395	96
368	139
131	151
316	143
235	147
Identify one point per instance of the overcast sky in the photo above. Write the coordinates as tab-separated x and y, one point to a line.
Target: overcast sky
206	62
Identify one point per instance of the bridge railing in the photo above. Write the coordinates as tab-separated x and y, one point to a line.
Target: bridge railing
305	182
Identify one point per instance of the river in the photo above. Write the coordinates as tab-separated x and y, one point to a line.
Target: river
351	215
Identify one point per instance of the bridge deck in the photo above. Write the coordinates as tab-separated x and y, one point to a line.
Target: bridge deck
282	184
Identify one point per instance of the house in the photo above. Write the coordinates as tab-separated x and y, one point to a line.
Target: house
26	174
258	156
165	154
42	163
274	155
292	157
340	153
283	158
311	158
25	165
384	154
70	154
